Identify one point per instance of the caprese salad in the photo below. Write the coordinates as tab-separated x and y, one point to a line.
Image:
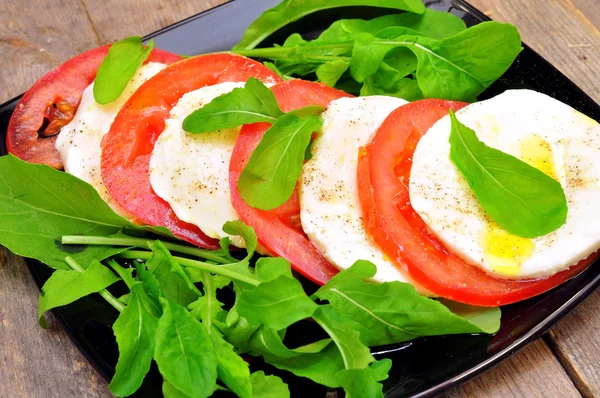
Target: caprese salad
361	160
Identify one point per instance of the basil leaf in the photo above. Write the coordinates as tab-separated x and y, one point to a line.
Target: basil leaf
232	370
520	198
118	67
270	177
346	334
37	214
64	287
169	391
173	281
184	352
394	312
268	386
363	383
330	72
134	330
292	10
250	104
276	304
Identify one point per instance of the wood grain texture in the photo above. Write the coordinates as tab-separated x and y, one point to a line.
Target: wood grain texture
533	372
37	36
39	363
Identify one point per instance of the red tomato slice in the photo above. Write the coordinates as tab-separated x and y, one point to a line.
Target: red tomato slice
127	147
51	103
279	230
383	176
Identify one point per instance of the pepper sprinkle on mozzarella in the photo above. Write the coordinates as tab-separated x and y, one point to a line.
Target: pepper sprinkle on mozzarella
191	171
331	214
540	131
79	142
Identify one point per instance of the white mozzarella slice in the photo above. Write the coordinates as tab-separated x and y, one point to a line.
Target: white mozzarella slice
539	130
79	142
330	209
191	171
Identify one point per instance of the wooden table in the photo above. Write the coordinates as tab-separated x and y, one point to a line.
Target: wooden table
38	35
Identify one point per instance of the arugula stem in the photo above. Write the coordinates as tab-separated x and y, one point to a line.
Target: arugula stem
283	52
186	262
141	243
112	300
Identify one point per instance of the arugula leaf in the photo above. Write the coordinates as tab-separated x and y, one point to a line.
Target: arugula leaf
268	386
247	233
319	361
364	383
270	268
250	104
118	67
151	287
276	304
275	69
184	352
64	287
208	306
520	198
330	72
173	281
394	312
346	334
134	330
270	177
232	370
292	10
36	215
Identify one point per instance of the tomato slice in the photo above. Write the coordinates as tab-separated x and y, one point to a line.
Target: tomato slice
127	147
51	103
383	176
279	230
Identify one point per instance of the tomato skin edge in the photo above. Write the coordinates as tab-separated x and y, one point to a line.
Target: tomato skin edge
404	237
273	228
57	93
128	145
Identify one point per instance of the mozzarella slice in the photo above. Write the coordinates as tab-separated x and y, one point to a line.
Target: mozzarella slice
539	130
79	142
191	171
330	209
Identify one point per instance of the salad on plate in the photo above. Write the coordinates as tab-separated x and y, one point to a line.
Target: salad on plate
353	181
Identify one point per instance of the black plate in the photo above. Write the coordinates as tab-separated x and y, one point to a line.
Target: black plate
426	366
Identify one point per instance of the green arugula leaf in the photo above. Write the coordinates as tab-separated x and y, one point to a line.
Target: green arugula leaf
224	244
275	69
250	104
270	268
268	386
320	361
276	304
151	287
394	312
118	67
184	352
270	177
520	198
292	10
247	233
64	287
232	370
330	72
173	281
346	334
52	204
208	306
134	330
364	383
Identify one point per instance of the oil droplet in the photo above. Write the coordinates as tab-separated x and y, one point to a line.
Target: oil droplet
503	251
537	152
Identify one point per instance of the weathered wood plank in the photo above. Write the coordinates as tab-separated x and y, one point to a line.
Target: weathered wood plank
37	363
140	16
575	340
532	372
559	31
37	36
